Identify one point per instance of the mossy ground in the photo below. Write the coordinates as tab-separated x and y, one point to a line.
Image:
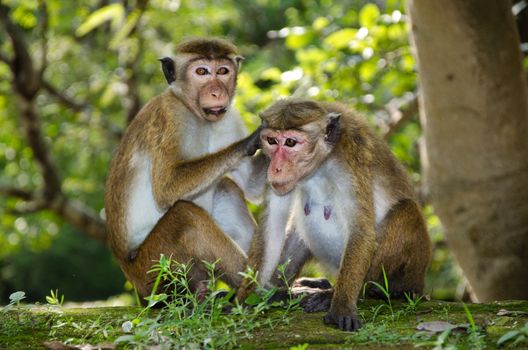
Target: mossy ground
28	327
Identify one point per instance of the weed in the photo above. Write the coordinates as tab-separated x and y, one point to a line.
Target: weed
384	289
475	338
54	298
381	333
412	301
514	337
14	299
189	319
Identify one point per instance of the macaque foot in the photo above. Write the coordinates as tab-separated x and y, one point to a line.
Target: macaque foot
347	323
321	283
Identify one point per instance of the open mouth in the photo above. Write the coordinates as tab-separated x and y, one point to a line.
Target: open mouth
215	110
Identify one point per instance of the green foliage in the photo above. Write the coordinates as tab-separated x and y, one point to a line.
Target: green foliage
191	319
54	298
515	337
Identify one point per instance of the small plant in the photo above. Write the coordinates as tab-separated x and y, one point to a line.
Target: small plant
384	289
189	319
412	302
476	339
14	299
514	337
380	333
55	298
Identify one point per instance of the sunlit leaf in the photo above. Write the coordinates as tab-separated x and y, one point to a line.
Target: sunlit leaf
297	41
320	23
369	15
125	30
113	12
341	38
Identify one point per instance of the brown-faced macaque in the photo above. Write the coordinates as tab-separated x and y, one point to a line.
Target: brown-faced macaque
177	181
336	194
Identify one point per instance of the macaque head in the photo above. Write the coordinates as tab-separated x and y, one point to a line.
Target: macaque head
297	136
204	76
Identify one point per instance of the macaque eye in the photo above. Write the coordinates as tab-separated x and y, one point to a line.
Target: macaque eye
272	140
222	71
201	71
290	142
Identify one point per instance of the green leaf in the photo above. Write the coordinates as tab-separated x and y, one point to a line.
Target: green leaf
125	30
253	299
113	12
507	337
369	15
341	38
320	23
297	41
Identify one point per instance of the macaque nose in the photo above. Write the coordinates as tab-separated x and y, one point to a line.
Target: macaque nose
278	170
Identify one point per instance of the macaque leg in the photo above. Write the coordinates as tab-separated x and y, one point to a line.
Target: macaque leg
404	250
294	255
317	294
232	215
187	233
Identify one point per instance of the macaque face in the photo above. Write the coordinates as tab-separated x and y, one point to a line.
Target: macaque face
291	157
212	83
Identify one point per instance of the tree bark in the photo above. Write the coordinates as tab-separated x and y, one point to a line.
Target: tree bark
474	112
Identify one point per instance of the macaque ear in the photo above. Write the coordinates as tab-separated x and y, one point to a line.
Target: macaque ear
169	69
263	123
238	61
333	128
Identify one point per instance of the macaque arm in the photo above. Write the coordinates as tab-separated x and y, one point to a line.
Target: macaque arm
268	241
174	180
356	259
250	176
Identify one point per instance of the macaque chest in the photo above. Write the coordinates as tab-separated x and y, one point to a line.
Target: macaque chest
322	210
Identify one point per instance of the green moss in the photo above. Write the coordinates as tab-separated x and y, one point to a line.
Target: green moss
28	327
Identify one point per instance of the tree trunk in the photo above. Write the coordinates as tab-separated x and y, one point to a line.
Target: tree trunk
474	112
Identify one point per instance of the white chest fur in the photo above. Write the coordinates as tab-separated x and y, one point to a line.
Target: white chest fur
142	213
323	208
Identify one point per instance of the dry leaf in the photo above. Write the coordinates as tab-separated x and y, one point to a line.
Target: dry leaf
503	312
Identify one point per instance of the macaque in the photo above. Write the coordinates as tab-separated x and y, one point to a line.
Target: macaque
178	178
336	194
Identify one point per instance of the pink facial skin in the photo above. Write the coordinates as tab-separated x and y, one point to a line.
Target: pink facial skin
285	148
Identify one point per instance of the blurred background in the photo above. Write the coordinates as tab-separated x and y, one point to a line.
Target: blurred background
74	73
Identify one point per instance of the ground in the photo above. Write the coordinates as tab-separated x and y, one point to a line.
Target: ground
402	325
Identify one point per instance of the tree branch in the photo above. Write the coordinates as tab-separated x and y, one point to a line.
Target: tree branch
63	98
132	102
43	38
400	111
27	82
11	191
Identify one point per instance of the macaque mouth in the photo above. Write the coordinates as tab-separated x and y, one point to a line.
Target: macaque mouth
215	110
281	187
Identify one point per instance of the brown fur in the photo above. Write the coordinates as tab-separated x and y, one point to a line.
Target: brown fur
399	242
211	49
185	231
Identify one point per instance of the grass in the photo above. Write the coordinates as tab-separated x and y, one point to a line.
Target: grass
187	319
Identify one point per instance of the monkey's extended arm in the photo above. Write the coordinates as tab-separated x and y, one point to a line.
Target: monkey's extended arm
268	240
175	180
355	264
